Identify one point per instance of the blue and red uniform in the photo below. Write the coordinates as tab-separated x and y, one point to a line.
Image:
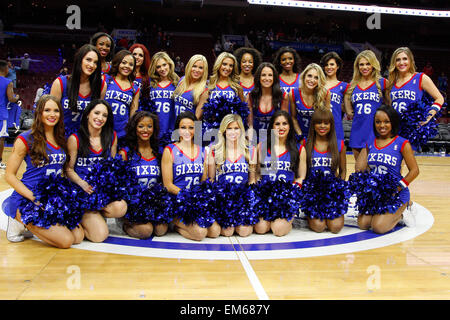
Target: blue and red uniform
279	168
336	99
388	160
226	92
148	171
322	160
365	103
247	90
287	87
72	119
234	171
165	107
411	91
120	101
187	171
184	102
304	112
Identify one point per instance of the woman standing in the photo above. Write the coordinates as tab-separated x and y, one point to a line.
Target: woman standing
248	60
121	93
192	89
362	99
311	95
142	58
406	86
331	63
163	81
265	98
384	155
183	165
96	140
105	46
75	91
287	62
43	148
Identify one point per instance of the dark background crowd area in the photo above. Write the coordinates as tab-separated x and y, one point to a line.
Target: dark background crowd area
183	28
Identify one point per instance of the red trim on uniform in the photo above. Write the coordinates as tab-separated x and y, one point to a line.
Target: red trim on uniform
380	148
115	137
78	141
259	109
24	141
403	145
420	81
171	153
61	84
131	87
242	85
96	152
395	85
301	98
321	152
235	161
221	87
56	148
165	86
289	84
126	154
365	88
335	85
192	159
300	149
148	159
348	85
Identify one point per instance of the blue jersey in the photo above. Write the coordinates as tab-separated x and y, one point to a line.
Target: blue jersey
187	171
365	103
226	92
72	119
184	102
410	92
138	83
279	168
165	107
120	102
322	160
261	119
336	100
33	174
247	90
234	171
148	171
388	160
4	83
83	164
287	87
304	112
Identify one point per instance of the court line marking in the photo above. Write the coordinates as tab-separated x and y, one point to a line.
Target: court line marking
251	274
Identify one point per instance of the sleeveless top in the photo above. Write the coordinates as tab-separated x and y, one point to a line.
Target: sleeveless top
187	171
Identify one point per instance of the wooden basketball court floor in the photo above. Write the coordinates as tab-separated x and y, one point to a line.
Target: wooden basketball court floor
415	268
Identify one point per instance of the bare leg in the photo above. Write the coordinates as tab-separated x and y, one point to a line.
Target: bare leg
95	227
281	227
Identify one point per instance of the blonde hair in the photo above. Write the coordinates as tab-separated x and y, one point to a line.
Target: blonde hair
376	71
233	79
393	72
320	92
200	85
153	74
220	150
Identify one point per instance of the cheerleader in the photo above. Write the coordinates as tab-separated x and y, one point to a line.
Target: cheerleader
231	160
183	165
192	89
76	90
163	81
43	148
406	86
279	158
384	155
325	152
331	63
309	96
265	98
105	45
121	92
96	140
248	60
287	62
364	95
142	150
142	58
224	81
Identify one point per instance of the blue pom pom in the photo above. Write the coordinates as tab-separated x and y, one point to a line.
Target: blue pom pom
154	205
376	194
197	204
215	109
58	204
410	127
325	196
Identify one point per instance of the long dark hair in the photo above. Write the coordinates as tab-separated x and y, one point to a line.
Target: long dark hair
277	94
291	142
38	150
95	79
106	136
131	138
98	35
319	115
